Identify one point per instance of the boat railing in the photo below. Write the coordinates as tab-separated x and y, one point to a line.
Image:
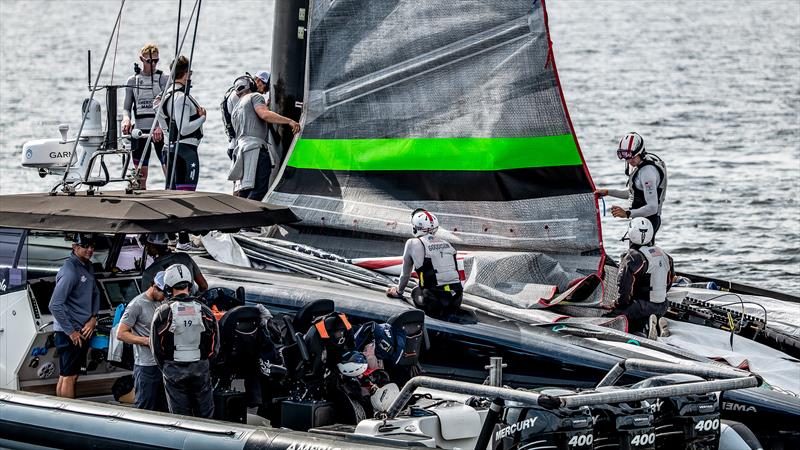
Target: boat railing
728	379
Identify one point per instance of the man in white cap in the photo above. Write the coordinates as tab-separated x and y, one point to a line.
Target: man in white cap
254	160
134	328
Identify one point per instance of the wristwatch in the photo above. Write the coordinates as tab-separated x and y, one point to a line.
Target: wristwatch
628	213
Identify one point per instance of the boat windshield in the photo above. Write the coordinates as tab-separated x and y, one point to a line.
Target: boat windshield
46	251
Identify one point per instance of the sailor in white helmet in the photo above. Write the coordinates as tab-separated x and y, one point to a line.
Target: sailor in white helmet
434	259
644	277
647	182
184	336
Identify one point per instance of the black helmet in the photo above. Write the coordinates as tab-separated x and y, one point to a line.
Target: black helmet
84	239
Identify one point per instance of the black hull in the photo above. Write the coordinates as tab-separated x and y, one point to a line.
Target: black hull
536	356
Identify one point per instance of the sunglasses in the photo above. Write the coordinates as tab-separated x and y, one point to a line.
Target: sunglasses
151	61
624	154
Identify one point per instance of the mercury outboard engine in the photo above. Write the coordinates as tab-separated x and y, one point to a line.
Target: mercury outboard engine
626	426
563	428
691	422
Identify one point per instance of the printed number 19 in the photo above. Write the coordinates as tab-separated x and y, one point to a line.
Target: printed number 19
187	323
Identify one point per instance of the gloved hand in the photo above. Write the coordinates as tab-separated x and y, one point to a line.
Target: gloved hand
392	293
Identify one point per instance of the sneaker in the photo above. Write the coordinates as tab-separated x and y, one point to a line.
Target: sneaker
652	327
188	247
663	327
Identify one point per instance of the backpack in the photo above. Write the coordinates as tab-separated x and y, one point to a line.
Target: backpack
226	113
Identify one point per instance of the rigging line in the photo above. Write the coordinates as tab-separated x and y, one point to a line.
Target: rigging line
114	60
186	90
172	94
171	75
91	96
178	28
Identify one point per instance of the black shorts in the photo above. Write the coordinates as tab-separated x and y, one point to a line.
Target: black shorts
187	167
137	147
70	357
438	301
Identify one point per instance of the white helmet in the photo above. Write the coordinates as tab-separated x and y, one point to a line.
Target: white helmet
383	397
353	364
423	222
640	231
175	275
630	145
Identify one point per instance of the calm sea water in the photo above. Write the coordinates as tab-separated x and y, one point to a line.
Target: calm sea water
712	87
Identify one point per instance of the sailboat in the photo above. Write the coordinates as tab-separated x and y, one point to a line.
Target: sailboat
458	110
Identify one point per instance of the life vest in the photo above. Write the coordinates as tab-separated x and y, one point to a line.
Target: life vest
230	131
173	125
439	267
653	284
323	324
661	190
187	328
142	97
175	338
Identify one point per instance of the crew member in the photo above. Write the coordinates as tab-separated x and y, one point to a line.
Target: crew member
184	336
134	328
74	305
183	117
157	247
434	259
254	160
647	183
143	87
643	280
229	102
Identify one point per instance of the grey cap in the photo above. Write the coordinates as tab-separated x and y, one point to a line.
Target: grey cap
158	238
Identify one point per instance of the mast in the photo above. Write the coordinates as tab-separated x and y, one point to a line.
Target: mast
287	86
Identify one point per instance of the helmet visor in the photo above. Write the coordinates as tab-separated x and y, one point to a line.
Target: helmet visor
624	154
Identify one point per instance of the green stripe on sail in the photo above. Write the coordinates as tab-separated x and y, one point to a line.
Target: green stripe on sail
483	154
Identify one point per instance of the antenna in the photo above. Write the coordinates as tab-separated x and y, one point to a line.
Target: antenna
89	72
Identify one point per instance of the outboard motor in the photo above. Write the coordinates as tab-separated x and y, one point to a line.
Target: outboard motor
691	422
627	426
562	428
52	156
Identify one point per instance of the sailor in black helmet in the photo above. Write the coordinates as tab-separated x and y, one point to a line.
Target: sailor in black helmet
434	259
645	274
183	337
647	183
